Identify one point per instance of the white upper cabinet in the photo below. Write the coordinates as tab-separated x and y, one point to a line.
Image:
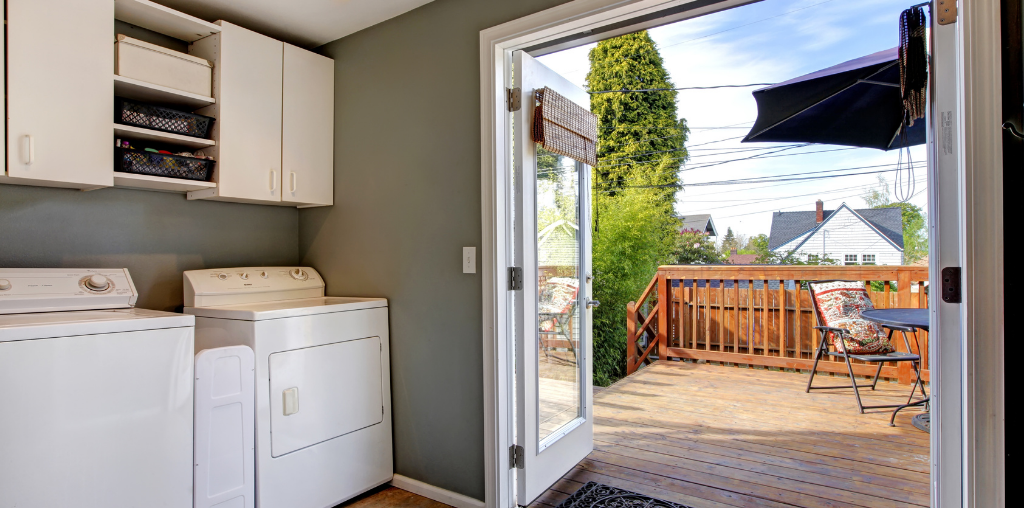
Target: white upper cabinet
60	95
247	84
307	146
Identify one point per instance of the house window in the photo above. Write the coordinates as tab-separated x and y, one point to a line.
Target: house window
851	259
868	259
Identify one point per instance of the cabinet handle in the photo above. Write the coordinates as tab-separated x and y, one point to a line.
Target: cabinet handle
294	182
273	180
31	151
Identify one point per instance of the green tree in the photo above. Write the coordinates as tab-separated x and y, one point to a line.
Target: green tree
915	231
627	252
696	248
729	242
641	146
641	142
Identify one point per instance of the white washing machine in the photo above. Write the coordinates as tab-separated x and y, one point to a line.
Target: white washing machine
95	396
323	390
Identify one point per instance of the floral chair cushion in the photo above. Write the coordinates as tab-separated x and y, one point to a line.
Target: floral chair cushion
840	304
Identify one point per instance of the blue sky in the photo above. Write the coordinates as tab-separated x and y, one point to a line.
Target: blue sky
765	42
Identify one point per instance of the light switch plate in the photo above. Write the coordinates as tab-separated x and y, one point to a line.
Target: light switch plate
469	260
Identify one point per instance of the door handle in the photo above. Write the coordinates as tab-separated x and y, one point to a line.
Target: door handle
30	149
294	181
593	303
273	180
290	401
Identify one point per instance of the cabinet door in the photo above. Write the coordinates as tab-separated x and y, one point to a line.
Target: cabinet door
247	86
60	92
307	148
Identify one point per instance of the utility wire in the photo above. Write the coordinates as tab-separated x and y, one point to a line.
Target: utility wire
682	88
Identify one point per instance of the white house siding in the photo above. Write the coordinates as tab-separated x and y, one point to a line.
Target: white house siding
846	233
790	245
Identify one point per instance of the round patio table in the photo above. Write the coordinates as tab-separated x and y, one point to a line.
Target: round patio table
914	318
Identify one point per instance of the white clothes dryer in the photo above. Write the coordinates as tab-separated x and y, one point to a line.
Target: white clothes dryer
95	396
323	391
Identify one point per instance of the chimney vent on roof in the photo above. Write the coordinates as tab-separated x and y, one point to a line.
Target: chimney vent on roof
819	212
733	252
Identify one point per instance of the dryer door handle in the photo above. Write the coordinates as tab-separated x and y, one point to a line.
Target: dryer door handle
290	400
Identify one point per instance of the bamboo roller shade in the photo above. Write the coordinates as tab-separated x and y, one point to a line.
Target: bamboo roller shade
564	127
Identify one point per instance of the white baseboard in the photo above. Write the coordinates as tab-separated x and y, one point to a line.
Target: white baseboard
436	493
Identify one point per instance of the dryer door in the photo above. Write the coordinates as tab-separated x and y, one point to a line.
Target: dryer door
323	392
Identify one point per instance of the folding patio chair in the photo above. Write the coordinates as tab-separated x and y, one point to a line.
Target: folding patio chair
557	309
844	333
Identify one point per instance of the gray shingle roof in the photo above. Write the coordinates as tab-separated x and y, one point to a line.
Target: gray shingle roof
789	225
700	222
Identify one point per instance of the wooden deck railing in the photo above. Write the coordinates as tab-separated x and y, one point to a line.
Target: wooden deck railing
758	315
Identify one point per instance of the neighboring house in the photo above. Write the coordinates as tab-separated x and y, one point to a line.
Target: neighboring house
735	258
557	247
700	222
872	236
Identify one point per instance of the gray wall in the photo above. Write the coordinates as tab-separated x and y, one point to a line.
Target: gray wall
407	199
155	235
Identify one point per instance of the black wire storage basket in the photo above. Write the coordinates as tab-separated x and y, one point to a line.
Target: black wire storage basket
158	164
148	116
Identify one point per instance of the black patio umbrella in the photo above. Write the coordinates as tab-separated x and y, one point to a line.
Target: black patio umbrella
856	103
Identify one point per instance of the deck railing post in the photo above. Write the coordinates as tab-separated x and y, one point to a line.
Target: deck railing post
904	372
664	311
631	358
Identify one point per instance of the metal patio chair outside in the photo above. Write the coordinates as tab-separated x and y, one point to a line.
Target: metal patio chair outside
558	308
827	347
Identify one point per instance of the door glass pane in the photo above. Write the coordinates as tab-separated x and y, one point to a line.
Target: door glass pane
558	282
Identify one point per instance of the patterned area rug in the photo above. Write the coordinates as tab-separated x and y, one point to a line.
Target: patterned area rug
598	495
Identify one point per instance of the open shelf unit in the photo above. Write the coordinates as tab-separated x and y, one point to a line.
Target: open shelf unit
167	21
138	133
149	92
156	17
159	183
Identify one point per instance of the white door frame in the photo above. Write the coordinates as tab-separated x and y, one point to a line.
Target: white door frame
983	448
981	472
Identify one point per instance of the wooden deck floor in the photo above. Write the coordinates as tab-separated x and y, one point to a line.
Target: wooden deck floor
715	436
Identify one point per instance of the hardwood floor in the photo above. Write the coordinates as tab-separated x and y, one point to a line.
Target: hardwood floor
391	497
715	436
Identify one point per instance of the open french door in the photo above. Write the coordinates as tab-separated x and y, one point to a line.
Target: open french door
554	388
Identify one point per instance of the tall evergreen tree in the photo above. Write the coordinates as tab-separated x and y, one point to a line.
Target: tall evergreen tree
641	142
641	146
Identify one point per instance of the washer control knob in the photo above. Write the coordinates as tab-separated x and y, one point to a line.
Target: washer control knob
5	284
97	283
243	276
264	274
223	276
298	274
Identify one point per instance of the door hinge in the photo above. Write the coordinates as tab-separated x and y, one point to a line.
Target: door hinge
516	457
515	279
951	284
513	98
945	11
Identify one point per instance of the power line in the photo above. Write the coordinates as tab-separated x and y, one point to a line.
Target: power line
798	206
820	193
682	88
740	181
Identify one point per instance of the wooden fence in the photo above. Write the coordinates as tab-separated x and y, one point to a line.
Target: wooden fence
759	315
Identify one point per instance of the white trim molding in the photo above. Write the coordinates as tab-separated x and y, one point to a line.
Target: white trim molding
984	481
436	493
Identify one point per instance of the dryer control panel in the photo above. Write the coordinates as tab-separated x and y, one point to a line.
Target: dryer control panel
235	286
24	290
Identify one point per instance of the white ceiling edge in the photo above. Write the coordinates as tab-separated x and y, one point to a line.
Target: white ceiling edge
304	23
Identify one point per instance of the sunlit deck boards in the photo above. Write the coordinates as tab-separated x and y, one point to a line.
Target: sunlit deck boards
713	436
